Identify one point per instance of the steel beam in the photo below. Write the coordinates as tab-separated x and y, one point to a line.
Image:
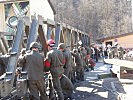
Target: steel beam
49	31
53	33
64	35
68	37
42	35
7	84
33	33
88	41
43	39
57	34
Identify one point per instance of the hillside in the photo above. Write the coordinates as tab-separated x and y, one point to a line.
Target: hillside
99	17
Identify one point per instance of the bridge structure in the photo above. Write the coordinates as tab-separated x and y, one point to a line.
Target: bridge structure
60	32
31	29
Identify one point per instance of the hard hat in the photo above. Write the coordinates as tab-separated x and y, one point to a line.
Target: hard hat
51	42
61	46
34	45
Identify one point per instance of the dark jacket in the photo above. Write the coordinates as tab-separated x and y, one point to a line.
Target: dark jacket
78	59
56	59
67	66
33	62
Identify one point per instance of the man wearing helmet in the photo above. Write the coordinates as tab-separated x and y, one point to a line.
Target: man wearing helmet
33	62
55	61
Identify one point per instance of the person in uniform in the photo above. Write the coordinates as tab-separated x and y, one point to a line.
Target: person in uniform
33	61
73	73
67	55
79	64
82	60
55	61
120	53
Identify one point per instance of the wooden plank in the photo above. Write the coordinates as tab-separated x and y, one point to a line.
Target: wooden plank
125	63
43	39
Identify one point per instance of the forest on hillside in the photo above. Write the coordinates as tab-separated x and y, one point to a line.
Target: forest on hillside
101	18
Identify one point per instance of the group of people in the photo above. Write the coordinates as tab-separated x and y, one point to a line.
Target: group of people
65	67
115	51
107	52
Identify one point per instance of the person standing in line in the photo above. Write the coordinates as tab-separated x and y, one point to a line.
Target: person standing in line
55	61
67	55
33	62
78	62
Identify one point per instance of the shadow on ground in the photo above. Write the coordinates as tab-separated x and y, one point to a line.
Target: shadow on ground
90	90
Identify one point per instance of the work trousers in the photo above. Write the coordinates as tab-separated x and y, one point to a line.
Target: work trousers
80	73
57	87
36	86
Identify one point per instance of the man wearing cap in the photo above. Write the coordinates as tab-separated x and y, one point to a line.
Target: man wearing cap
55	61
67	55
34	66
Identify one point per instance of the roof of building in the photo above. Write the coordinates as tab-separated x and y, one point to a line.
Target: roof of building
115	36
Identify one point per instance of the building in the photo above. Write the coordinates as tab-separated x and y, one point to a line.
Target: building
123	40
18	8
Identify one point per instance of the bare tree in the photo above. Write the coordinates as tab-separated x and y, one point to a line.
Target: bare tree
100	17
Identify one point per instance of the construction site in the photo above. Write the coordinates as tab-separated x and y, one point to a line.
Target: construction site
25	21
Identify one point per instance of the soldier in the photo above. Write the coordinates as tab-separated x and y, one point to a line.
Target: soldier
35	69
96	53
115	50
73	76
67	55
55	61
109	51
120	52
88	50
83	63
84	53
79	64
